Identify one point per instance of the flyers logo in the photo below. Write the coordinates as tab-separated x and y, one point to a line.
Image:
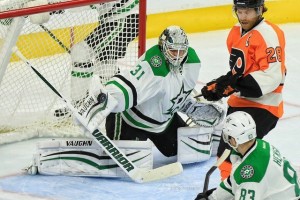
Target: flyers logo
237	61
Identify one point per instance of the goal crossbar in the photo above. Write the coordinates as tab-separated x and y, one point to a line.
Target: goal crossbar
48	8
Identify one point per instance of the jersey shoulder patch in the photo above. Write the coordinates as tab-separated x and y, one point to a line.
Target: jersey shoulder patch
254	167
156	61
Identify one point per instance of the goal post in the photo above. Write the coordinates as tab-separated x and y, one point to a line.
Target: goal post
68	41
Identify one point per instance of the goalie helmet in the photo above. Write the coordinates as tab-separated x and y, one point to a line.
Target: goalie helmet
174	45
240	126
248	3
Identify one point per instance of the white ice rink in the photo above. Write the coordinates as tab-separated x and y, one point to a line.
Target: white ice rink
214	56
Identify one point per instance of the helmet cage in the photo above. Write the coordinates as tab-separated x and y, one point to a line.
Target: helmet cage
174	45
174	53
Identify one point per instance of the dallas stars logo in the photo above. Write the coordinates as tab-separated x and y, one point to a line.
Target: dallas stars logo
247	172
178	100
156	61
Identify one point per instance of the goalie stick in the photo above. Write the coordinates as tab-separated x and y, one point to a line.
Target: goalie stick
136	174
197	95
223	157
59	42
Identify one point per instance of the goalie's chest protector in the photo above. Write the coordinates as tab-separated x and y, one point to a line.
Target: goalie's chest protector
162	92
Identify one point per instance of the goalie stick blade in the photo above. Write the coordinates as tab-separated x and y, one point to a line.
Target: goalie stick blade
159	173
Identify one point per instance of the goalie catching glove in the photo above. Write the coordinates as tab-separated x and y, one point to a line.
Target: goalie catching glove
96	106
205	113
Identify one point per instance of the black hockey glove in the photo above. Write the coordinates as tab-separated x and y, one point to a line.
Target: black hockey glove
212	91
228	86
204	196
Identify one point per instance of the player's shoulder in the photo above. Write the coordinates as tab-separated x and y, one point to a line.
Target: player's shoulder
267	23
236	29
268	31
192	56
235	32
255	164
154	59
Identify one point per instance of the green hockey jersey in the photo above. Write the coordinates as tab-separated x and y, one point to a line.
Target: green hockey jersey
261	174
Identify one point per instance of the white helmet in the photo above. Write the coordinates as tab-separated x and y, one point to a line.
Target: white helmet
239	125
171	40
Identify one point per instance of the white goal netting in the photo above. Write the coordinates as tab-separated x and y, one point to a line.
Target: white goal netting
68	47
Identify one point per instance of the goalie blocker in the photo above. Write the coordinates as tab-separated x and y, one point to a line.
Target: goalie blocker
83	157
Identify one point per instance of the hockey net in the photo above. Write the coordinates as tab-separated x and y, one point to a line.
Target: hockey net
28	107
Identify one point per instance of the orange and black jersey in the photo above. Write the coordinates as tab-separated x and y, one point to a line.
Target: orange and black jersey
259	57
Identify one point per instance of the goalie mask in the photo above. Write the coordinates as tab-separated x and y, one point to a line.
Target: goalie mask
240	126
174	45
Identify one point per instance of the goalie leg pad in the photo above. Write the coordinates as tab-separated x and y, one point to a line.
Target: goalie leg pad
83	157
194	144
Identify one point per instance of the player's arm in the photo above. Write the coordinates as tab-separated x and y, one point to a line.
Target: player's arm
134	86
125	90
262	81
221	87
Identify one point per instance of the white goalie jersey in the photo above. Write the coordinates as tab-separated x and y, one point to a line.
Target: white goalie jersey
150	94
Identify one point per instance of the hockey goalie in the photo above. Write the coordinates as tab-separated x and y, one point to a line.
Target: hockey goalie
142	107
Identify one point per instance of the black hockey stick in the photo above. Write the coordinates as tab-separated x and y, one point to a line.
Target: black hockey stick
223	157
55	38
198	95
136	174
